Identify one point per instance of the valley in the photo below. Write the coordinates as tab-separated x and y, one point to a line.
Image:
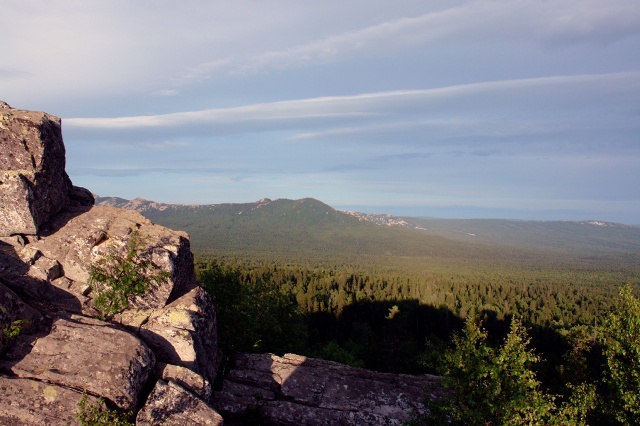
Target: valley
389	293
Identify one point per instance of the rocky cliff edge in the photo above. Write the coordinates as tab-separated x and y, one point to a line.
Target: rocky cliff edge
50	235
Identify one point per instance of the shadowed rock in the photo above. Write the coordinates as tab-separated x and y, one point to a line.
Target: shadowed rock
12	308
171	405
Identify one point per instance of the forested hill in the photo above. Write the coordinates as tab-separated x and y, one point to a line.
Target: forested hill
308	227
289	227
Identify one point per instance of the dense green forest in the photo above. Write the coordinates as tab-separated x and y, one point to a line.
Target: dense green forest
298	276
553	364
357	309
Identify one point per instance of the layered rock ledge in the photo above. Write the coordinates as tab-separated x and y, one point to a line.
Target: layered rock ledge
295	390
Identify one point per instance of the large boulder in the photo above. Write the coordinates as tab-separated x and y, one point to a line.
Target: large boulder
88	354
33	182
184	333
295	390
77	238
171	405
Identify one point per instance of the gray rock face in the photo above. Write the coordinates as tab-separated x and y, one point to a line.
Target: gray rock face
38	278
188	379
171	405
33	181
295	390
84	353
184	333
25	402
76	238
54	269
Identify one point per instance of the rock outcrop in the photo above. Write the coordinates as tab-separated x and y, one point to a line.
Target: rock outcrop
171	405
295	390
33	182
159	358
27	402
67	356
50	235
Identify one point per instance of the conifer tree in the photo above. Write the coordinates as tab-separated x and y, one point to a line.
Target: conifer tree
620	337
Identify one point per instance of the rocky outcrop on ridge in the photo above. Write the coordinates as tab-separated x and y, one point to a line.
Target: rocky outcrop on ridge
159	358
33	182
50	235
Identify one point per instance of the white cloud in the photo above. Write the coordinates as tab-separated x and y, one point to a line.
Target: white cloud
519	93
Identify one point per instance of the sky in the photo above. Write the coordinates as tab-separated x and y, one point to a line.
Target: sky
519	109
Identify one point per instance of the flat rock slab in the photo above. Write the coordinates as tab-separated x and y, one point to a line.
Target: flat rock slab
294	390
171	405
25	402
91	355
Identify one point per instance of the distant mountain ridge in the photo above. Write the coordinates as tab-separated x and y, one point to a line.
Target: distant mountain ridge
309	224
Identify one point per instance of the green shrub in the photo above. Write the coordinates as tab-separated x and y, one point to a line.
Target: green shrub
11	333
14	330
120	274
96	414
497	386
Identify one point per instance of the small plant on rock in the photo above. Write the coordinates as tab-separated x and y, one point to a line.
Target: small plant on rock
97	414
120	274
11	333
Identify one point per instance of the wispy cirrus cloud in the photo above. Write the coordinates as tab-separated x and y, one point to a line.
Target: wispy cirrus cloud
559	23
478	108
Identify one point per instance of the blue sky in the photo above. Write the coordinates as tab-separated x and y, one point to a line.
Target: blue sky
521	109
